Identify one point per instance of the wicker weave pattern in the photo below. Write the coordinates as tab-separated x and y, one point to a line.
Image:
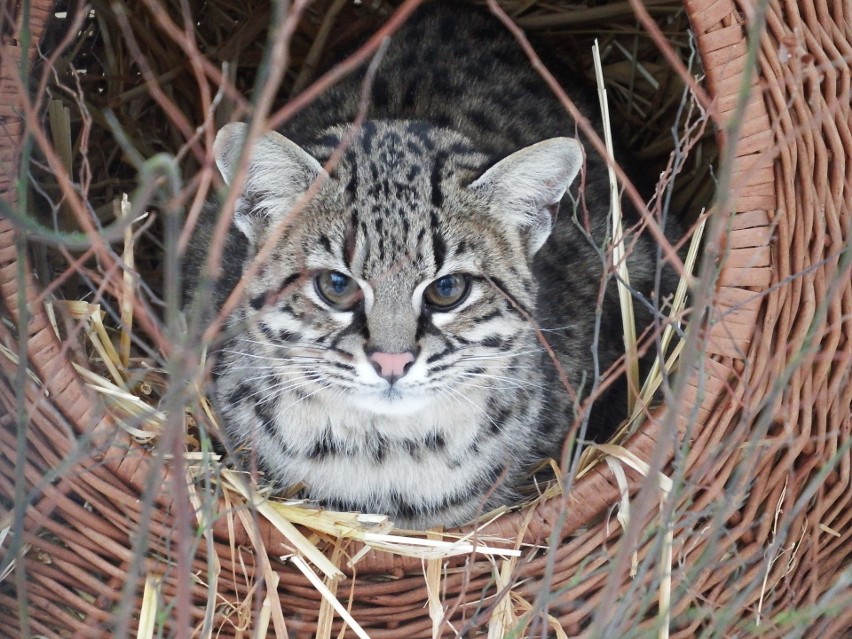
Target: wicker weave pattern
760	418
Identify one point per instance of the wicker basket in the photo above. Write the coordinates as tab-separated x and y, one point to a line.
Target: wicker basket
760	429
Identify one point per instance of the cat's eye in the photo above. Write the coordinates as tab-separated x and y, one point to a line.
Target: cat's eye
339	291
447	292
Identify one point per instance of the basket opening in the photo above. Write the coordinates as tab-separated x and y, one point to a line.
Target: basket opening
105	120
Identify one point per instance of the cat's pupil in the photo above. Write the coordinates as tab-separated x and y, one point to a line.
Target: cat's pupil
339	283
448	286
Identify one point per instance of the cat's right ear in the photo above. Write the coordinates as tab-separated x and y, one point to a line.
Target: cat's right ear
279	172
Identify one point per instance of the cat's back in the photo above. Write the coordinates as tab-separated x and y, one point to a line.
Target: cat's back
451	65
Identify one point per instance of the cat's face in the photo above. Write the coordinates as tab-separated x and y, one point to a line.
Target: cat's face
405	278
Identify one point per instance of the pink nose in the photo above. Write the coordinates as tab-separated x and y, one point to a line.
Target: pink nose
391	366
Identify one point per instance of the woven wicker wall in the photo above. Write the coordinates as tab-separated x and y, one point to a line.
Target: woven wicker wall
760	428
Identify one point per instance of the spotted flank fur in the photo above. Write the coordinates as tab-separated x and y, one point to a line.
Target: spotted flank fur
386	354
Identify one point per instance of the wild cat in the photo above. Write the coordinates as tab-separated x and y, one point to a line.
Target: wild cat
388	354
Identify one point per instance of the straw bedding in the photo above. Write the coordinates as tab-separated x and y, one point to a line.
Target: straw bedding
727	513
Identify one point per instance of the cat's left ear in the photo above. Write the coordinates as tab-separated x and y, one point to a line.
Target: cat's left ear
525	188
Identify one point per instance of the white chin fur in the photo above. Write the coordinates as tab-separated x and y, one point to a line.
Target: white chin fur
390	402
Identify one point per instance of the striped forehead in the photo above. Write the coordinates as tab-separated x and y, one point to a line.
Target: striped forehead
401	184
394	182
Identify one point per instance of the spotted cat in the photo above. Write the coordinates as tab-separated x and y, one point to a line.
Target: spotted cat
386	355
